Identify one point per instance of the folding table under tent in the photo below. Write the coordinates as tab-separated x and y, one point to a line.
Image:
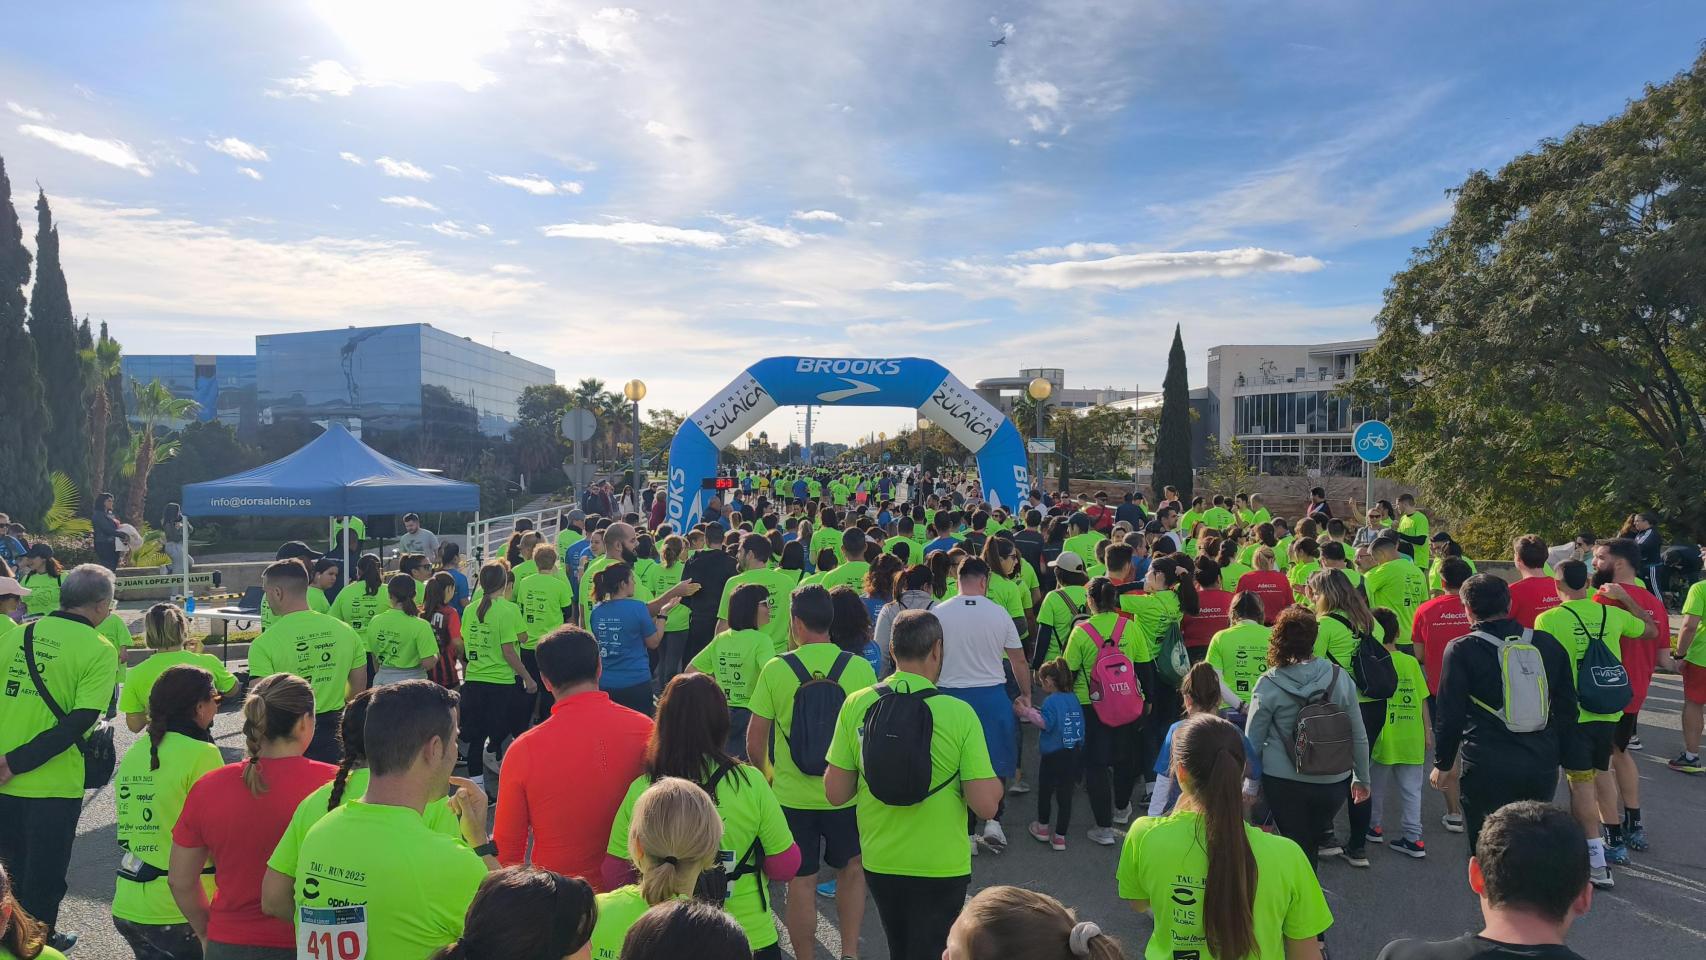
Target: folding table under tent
334	475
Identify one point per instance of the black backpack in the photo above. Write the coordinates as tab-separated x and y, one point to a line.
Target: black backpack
1602	683
1371	666
817	706
895	754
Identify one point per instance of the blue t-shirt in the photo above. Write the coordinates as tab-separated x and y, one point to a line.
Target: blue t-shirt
621	628
1164	762
462	592
1063	723
800	489
940	543
884	518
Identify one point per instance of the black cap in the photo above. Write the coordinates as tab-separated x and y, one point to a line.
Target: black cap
296	548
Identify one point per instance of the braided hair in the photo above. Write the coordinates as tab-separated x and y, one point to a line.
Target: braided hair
351	733
276	704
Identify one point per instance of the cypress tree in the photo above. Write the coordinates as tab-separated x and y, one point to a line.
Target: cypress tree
55	333
25	492
1173	437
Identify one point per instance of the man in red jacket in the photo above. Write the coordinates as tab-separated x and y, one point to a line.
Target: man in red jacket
562	781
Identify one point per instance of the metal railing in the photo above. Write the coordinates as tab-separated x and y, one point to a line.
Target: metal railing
487	535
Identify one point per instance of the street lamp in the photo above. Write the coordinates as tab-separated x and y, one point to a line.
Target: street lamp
1039	391
635	391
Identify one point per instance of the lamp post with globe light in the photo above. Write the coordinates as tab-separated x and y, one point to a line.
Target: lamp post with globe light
635	391
1039	390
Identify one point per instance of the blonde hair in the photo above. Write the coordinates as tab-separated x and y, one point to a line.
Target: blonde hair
675	835
1263	558
545	557
276	704
165	627
1003	922
1334	594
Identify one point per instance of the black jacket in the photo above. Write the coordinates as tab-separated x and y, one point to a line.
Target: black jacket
1471	672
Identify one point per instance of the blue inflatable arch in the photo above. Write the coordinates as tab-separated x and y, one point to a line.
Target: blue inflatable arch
847	382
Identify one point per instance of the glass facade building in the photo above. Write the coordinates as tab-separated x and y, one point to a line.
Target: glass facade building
223	385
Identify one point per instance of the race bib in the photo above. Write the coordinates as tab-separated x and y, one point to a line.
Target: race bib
331	933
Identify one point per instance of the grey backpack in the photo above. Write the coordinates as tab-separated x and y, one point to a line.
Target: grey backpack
1322	743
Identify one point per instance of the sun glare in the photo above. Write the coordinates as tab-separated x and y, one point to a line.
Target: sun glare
416	41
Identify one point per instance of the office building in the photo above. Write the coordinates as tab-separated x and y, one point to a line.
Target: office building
222	386
1284	405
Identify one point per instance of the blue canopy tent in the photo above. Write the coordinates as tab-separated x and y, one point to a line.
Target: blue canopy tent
334	475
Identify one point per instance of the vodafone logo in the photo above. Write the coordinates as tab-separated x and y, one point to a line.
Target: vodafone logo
870	368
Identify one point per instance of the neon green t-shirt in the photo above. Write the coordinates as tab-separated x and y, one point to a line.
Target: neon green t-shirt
927	839
1011	597
773	699
1695	606
1240	653
618	910
1299	573
542	598
438	817
1150	614
779	586
1573	622
826	538
400	641
750	814
1230	573
735	658
44	593
1218	518
642	589
1252	517
1188	520
1081	649
849	574
1416	525
148	803
568	537
1057	613
77	666
1436	582
414	884
355	606
664	580
1399	586
1282	553
1403	740
317	647
139	681
1083	544
1164	862
317	602
484	638
1335	641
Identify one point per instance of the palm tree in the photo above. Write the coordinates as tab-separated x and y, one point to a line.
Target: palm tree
156	407
100	365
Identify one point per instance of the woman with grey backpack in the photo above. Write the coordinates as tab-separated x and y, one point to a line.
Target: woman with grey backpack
1305	725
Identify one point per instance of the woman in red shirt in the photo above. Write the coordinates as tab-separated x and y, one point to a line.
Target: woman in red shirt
1214	607
1268	583
440	611
234	817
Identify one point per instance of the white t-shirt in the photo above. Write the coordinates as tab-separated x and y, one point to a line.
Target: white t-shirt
976	633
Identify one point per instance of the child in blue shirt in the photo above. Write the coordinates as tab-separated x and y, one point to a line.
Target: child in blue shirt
1061	744
1203	692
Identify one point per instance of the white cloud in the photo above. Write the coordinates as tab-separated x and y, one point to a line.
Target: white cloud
401	168
799	304
910	327
753	231
482	230
666	134
824	216
914	286
511	269
1147	269
1039	93
537	185
238	150
348	157
1071	251
411	202
450	228
249	172
28	113
322	77
114	152
629	233
617	15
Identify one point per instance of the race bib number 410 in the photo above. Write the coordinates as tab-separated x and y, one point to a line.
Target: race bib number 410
331	933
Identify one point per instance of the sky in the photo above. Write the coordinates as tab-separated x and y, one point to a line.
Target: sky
674	190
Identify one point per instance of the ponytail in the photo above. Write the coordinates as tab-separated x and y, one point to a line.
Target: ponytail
1201	685
606	582
673	549
25	936
494	579
1102	595
440	582
402	591
1210	752
276	704
1182	580
1247	605
674	836
1015	922
352	733
367	571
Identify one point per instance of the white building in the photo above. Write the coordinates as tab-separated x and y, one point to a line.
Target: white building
1003	391
1282	402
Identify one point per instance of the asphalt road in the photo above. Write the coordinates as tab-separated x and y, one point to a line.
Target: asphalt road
1658	908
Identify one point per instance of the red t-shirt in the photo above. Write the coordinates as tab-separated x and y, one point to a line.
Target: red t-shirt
240	831
1101	517
1213	615
1438	622
1272	587
563	781
1531	597
1640	658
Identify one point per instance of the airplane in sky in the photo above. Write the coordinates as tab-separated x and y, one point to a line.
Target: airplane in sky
999	43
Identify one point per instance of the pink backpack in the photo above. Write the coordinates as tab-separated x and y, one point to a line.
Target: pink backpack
1114	693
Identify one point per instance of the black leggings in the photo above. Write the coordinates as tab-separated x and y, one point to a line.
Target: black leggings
1304	811
1162	706
1056	775
917	912
489	712
1118	748
1373	720
1485	787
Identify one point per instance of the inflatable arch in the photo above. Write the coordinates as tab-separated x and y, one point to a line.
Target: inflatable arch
850	382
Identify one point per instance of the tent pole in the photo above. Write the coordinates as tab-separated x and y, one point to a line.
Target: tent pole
346	551
331	532
184	552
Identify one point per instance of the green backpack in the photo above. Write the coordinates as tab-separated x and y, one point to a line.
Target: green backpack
1172	661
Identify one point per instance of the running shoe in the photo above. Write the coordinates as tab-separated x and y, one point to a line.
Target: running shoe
1105	836
1453	822
1329	847
1635	743
1688	764
994	837
1122	815
1019	787
826	890
1616	853
1410	848
1376	835
62	941
1600	877
1356	858
1057	843
1039	833
1636	838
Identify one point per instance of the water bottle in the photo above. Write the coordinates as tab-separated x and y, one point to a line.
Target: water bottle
189	603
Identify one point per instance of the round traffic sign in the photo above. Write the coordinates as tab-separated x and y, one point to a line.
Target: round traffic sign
579	425
1372	440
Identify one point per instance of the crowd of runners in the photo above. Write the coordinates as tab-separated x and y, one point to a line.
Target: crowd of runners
845	683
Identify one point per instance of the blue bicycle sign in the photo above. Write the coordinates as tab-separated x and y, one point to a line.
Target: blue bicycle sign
1372	441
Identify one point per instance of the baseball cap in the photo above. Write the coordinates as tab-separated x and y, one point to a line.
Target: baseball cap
12	588
296	548
576	516
1068	561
